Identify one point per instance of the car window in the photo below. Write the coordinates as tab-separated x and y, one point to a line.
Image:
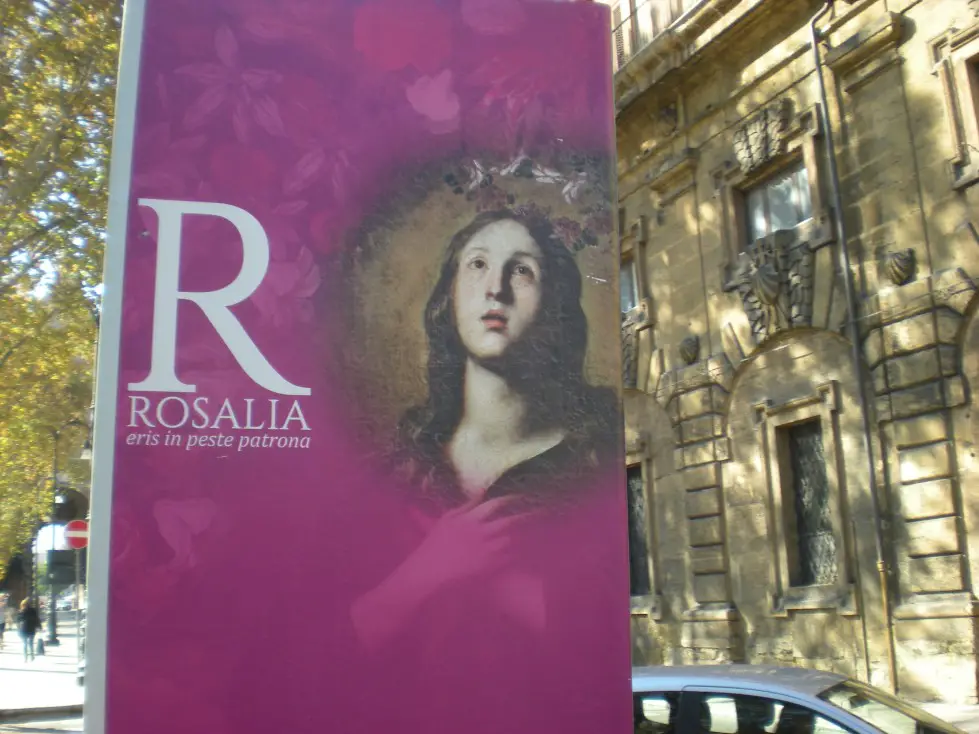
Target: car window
882	710
655	713
722	713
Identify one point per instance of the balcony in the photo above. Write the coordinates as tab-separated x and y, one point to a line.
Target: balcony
636	23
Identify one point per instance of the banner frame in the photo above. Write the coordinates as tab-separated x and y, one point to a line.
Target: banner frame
109	379
107	376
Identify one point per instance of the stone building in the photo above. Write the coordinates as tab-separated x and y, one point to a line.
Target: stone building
795	499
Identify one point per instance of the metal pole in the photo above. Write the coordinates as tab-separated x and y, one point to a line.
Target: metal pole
35	549
52	640
854	334
78	605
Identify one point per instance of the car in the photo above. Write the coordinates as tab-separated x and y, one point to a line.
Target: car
758	699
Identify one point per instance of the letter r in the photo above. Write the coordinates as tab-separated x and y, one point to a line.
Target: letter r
216	305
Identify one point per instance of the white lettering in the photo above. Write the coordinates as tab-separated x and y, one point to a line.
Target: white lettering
273	405
295	414
144	406
216	305
248	416
226	413
199	405
163	403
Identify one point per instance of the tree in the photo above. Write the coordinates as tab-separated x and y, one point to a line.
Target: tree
46	385
57	72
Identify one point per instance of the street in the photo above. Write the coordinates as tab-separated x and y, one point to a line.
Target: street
43	696
41	726
964	717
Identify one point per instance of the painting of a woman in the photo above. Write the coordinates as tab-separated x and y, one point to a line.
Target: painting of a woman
505	470
507	341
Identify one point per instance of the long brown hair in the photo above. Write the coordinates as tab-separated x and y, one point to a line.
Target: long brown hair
548	367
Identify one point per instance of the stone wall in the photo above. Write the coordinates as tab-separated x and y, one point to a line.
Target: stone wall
734	342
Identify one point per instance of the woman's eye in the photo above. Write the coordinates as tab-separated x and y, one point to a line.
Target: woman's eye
524	271
477	264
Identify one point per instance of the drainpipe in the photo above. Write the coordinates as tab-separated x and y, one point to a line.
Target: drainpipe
854	334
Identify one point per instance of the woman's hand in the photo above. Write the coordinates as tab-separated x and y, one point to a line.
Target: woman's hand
463	543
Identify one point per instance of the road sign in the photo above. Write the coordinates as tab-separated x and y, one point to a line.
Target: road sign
76	534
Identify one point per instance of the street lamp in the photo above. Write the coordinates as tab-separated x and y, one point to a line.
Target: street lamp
53	640
35	549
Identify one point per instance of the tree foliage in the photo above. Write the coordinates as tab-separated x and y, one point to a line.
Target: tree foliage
57	72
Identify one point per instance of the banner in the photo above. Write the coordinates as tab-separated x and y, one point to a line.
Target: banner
358	436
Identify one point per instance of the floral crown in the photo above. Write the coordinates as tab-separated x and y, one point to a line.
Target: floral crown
584	189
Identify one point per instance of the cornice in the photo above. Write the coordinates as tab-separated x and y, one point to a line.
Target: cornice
865	45
691	41
958	38
672	172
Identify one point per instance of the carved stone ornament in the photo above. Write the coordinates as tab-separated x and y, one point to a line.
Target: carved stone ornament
766	283
762	137
774	278
630	353
900	266
690	349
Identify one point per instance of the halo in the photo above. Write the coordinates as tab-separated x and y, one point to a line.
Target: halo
395	259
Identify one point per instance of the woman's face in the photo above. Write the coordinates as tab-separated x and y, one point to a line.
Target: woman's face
497	288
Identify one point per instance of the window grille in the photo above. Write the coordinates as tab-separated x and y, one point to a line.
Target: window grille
816	542
640	581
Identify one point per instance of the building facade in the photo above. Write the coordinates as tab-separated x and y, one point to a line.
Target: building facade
802	468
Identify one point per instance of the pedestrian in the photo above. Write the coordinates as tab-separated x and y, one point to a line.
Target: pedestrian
28	622
4	601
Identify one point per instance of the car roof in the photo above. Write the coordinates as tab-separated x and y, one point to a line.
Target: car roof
760	678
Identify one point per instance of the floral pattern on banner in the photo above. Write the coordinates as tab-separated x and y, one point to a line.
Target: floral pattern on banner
435	99
584	186
227	86
303	113
306	114
393	34
494	17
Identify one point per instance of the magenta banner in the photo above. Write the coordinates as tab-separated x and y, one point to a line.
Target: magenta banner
358	457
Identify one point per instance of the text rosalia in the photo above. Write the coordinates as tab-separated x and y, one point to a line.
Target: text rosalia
201	422
236	423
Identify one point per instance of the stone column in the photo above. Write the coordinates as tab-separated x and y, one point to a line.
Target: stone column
911	345
696	399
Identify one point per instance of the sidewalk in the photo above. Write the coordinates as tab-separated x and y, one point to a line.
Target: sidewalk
44	726
48	683
44	695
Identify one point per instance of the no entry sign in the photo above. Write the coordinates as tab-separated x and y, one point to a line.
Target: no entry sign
76	533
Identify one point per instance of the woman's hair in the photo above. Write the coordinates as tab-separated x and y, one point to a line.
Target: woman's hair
24	604
547	363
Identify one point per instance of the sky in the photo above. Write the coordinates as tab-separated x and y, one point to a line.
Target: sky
43	542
